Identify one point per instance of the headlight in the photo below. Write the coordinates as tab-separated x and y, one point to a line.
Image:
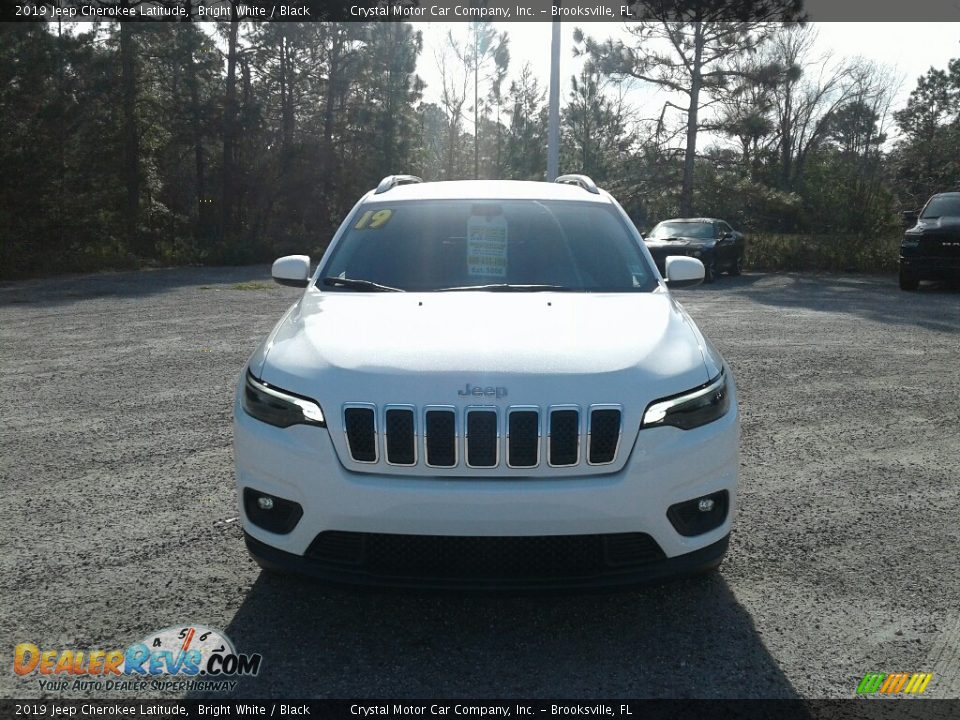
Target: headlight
277	407
691	409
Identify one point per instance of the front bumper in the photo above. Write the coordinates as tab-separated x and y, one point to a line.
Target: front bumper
666	466
931	267
693	563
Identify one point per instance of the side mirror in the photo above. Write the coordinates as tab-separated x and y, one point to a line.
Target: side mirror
292	270
909	217
727	236
683	272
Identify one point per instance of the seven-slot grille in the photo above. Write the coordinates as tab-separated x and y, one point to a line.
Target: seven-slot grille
443	436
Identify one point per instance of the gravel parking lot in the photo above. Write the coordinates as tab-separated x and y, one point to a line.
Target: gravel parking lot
118	506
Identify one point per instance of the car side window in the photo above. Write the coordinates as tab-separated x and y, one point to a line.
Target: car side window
724	228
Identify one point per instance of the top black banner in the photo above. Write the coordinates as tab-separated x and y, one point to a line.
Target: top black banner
572	11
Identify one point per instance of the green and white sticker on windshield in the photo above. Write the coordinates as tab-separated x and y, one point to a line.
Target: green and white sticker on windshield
487	246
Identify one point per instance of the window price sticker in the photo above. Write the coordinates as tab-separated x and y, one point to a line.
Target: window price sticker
487	246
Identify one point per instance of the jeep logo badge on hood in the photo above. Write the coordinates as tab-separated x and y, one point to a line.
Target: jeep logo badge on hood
477	391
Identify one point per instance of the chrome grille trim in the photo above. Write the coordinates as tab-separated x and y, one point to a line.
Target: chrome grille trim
616	448
456	435
376	442
466	435
550	410
524	408
386	451
502	445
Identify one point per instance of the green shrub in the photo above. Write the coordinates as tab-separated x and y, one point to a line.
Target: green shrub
821	253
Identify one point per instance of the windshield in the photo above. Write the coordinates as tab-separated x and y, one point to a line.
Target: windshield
513	245
942	206
682	229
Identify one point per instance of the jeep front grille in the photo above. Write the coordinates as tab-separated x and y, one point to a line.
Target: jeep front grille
440	435
604	435
564	437
399	434
519	437
482	438
523	437
360	425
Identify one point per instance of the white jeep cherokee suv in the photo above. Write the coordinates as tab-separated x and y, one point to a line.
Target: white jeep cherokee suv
487	385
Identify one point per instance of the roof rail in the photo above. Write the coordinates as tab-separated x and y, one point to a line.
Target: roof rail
583	181
391	181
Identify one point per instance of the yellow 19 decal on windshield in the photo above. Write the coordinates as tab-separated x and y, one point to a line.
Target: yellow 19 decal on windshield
371	220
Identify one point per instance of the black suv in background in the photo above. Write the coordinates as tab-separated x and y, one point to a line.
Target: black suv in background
930	249
712	241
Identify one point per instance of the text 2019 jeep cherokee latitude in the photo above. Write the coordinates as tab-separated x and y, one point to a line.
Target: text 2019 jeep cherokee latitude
487	385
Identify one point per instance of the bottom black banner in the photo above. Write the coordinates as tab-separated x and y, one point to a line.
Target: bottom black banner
881	709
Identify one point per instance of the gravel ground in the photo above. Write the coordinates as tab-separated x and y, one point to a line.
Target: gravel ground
116	472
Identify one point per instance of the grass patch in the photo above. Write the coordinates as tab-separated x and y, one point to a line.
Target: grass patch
253	286
821	253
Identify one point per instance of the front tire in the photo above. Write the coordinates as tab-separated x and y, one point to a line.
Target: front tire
737	268
908	280
709	269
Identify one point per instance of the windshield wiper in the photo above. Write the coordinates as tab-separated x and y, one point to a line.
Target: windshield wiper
508	287
357	284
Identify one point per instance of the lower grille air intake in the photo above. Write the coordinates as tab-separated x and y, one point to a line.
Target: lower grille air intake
464	557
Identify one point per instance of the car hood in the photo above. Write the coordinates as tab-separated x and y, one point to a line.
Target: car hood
543	348
946	225
681	242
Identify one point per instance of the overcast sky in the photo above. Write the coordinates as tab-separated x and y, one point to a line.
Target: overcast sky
909	49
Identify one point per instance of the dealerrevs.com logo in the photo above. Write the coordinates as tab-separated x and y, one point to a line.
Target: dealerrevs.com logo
180	658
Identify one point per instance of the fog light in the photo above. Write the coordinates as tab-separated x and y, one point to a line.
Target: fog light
700	515
271	512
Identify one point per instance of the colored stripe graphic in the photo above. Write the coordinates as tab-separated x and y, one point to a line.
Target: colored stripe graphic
918	683
871	683
893	683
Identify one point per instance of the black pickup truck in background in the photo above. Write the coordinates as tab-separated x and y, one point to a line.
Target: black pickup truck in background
930	249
